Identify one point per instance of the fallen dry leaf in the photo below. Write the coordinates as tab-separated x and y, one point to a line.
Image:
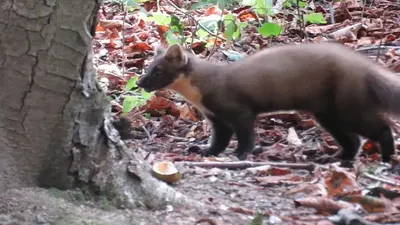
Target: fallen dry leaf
322	204
338	180
372	204
317	189
288	179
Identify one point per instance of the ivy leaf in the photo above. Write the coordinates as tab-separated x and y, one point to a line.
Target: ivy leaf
270	29
131	83
315	18
129	103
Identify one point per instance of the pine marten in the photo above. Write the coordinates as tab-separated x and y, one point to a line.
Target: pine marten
346	92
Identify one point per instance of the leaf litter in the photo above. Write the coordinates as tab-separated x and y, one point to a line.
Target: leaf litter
167	129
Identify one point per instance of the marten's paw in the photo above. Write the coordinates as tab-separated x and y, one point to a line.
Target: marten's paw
241	156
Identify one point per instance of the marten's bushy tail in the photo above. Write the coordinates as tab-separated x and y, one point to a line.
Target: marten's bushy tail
384	87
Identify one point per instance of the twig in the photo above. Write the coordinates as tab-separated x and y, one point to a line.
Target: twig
147	132
213	50
194	32
332	12
383	180
247	164
383	33
302	23
176	138
123	42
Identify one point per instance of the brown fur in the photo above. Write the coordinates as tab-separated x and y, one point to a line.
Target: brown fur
345	91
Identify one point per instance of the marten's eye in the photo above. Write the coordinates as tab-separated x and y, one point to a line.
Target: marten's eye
157	72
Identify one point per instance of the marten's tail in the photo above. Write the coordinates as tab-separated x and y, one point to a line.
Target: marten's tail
384	87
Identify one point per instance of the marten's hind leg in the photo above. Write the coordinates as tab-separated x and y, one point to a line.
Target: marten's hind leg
374	127
348	141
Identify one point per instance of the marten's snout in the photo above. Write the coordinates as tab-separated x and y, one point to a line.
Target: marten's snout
139	82
145	83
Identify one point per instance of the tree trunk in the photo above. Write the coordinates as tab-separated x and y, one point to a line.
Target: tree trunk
56	126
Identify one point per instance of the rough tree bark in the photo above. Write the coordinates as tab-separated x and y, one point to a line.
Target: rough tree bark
55	123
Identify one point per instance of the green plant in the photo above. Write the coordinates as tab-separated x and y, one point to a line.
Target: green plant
261	7
137	98
220	3
233	27
316	18
270	29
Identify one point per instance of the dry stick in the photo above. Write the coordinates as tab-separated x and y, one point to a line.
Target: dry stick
383	33
123	42
247	164
383	180
302	25
332	12
213	50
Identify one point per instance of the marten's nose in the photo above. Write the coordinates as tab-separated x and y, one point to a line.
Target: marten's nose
139	83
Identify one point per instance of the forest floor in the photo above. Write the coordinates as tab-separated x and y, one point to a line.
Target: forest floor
168	129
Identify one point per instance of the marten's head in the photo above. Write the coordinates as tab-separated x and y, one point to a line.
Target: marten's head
168	66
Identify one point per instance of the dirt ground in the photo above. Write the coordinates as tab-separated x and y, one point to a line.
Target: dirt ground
31	206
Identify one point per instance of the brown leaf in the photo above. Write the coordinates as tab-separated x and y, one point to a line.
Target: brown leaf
110	24
241	210
317	189
339	180
138	47
290	178
371	204
322	204
187	113
276	171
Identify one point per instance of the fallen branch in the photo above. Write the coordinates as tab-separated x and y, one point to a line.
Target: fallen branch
383	180
247	164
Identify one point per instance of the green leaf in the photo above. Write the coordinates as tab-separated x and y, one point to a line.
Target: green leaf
202	33
171	38
129	103
249	2
315	18
131	83
230	29
202	4
258	219
302	4
160	18
269	29
241	26
146	95
131	3
210	22
176	24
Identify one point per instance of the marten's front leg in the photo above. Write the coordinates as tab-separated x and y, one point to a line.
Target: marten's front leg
220	137
243	127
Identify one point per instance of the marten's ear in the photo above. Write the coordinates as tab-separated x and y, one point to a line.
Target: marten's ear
175	54
158	50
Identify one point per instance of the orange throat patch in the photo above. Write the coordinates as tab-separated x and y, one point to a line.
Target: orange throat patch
187	90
